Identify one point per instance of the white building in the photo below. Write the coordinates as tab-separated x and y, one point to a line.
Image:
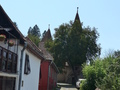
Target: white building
20	63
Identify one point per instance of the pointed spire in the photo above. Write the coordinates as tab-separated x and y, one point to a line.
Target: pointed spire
48	26
47	35
77	16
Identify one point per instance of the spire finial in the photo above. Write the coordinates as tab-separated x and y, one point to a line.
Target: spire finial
48	26
77	9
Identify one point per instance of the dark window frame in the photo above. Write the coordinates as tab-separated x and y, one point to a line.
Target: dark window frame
7	64
7	82
27	69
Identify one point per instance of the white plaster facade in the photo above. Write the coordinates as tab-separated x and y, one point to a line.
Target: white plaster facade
8	61
30	81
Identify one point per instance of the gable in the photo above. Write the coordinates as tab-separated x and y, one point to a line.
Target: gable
7	26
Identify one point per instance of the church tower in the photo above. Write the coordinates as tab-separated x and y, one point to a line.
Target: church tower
77	16
47	35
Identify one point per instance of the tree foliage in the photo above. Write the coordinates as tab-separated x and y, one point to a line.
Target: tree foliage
94	72
117	53
103	74
34	34
73	44
35	31
111	80
35	39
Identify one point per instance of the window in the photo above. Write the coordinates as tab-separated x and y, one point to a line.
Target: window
14	63
8	61
27	69
9	66
4	61
7	83
5	54
10	56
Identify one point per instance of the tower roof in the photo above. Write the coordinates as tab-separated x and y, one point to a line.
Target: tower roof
47	35
77	16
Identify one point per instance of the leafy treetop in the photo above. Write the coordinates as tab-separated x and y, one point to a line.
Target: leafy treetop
34	34
73	44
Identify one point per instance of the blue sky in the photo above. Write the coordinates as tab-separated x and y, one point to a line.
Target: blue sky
102	14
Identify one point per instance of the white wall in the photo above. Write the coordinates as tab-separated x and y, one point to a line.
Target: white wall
31	81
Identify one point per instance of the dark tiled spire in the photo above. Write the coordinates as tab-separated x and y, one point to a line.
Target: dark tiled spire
77	16
47	35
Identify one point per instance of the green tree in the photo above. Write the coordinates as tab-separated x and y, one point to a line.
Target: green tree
73	44
111	80
30	30
34	31
35	39
117	53
95	73
34	34
102	73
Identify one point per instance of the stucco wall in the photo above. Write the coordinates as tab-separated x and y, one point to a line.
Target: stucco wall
30	81
62	77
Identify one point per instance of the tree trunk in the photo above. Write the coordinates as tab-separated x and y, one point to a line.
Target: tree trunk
74	73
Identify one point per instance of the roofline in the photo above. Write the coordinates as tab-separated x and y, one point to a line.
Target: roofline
37	52
56	67
32	50
23	38
12	23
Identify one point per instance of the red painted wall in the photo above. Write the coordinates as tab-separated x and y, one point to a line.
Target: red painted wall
44	76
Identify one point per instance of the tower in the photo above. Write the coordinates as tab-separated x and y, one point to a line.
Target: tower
77	16
47	35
